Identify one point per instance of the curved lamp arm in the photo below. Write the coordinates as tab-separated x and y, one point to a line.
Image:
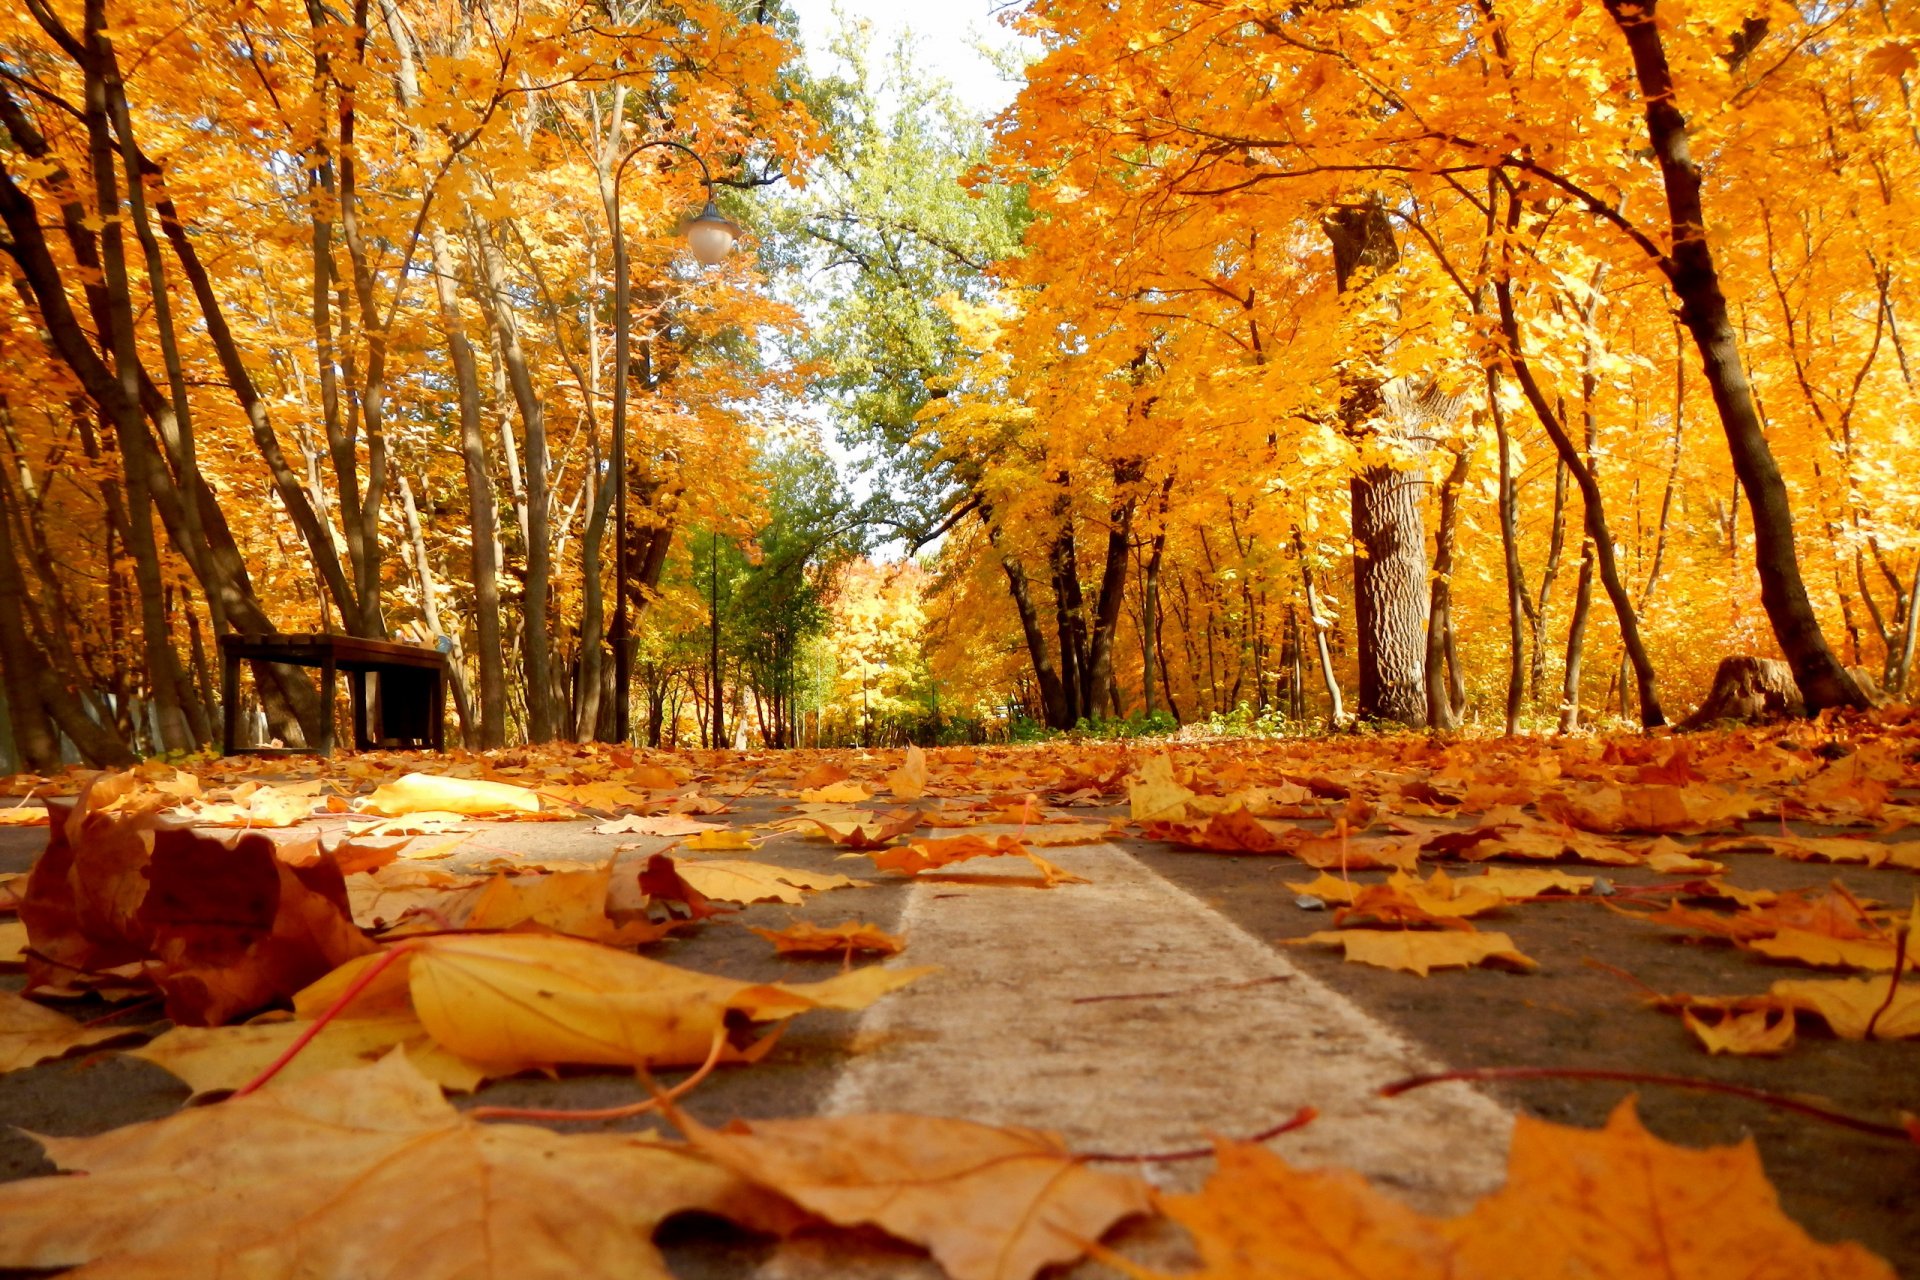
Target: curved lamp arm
710	234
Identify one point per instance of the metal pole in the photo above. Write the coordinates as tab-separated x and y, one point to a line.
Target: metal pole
622	327
719	713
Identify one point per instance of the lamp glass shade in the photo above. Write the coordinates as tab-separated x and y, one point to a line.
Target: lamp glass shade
711	236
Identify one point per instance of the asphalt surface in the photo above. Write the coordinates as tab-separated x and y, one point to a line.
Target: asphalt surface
1575	1011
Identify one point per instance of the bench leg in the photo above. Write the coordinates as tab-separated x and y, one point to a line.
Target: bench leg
357	687
439	712
329	686
229	701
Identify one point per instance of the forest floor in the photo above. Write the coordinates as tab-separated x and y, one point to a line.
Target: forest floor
1147	979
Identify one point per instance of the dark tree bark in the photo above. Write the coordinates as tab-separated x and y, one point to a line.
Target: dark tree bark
1510	549
1053	694
1113	587
1390	561
1695	279
1443	709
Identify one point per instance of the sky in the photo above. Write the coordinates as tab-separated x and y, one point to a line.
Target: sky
948	31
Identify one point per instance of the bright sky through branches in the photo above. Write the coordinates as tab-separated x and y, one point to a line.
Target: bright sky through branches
949	36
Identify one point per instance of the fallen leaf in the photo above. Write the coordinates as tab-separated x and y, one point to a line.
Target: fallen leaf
514	1001
221	927
920	855
668	824
806	939
1420	951
661	881
417	793
859	837
362	1172
1824	952
734	880
31	1033
838	793
221	1059
719	840
13	943
1848	1004
1753	1033
23	815
1616	1202
1235	831
909	781
988	1203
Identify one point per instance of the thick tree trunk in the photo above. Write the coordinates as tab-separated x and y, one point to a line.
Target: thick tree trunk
1703	309
1390	562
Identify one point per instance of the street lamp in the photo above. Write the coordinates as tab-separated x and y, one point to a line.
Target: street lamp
711	237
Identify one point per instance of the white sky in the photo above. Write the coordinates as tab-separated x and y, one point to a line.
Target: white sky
949	32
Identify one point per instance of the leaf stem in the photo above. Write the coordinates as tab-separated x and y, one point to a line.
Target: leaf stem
331	1012
1899	971
1299	1120
612	1113
1779	1101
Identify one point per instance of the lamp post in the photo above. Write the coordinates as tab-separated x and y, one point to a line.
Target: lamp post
711	237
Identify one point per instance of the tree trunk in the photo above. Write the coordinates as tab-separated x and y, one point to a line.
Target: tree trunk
1336	713
1576	642
538	653
1509	502
1601	541
1053	696
1440	703
1695	279
1390	562
1113	587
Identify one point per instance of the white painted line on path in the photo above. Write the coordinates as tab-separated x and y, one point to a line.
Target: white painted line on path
997	1036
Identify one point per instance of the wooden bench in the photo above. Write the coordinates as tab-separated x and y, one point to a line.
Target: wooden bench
413	686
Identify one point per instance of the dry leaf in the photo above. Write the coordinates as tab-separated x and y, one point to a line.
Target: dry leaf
365	1172
838	793
988	1203
221	1059
1849	1004
920	855
909	781
1824	952
1421	951
31	1033
719	840
13	943
23	815
667	824
805	939
514	1001
1749	1033
1615	1202
734	880
418	793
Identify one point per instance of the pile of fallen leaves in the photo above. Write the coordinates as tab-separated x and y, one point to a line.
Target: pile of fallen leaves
336	983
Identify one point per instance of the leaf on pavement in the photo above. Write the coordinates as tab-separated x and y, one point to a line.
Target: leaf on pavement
1849	1004
1750	1033
661	882
13	944
1418	951
221	927
23	815
859	837
909	781
1823	952
221	1059
363	1172
667	824
988	1203
471	797
736	880
838	793
31	1033
719	840
1615	1202
1235	831
514	1001
807	939
920	855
